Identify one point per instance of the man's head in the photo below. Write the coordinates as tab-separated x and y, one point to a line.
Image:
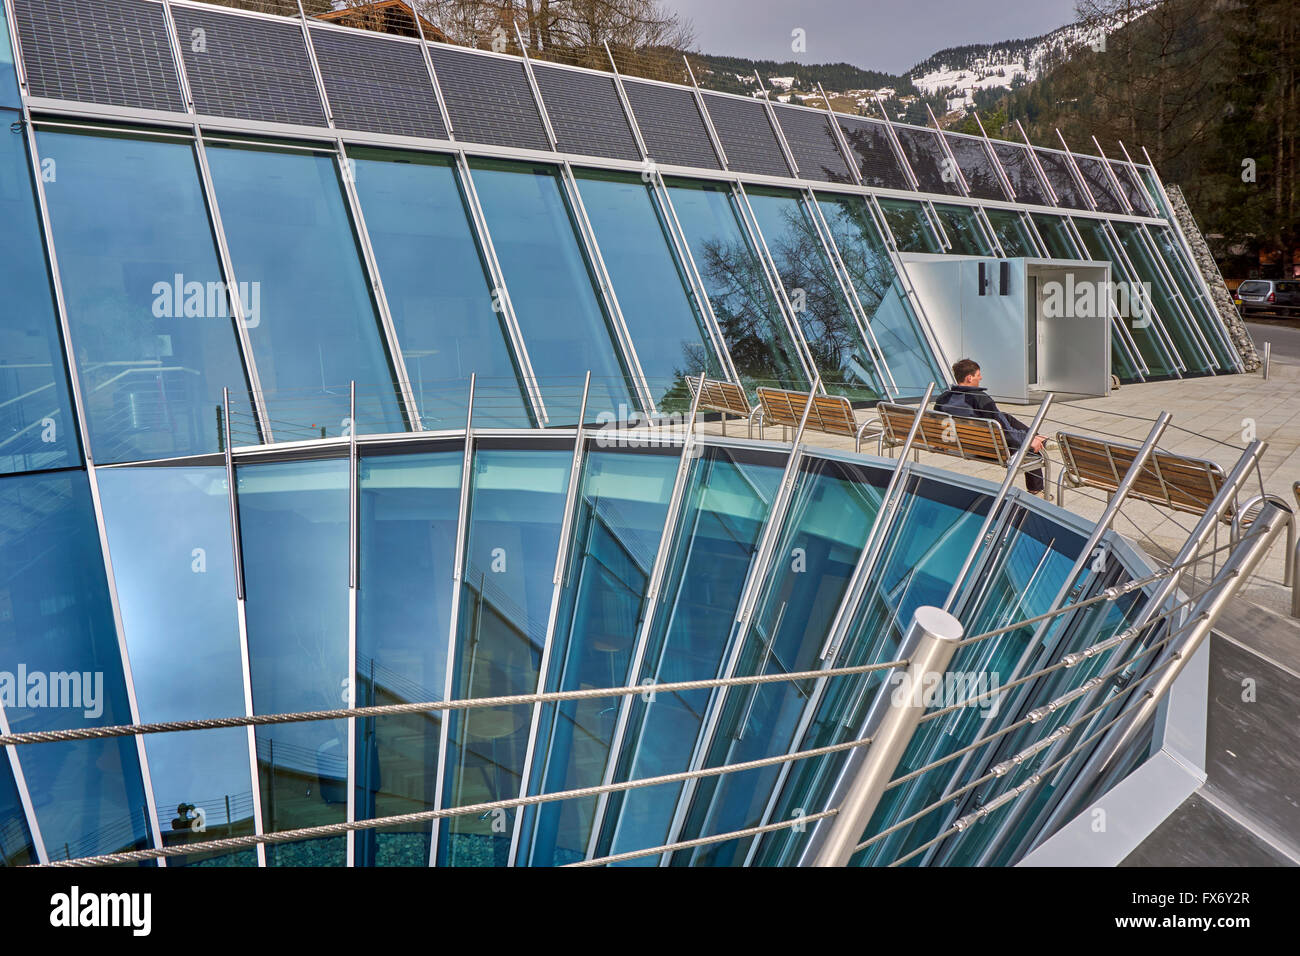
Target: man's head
967	372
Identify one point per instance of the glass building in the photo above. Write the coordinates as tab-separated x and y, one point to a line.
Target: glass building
251	265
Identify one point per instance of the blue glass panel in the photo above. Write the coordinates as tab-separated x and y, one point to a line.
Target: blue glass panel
60	667
668	332
516	508
565	328
310	315
621	512
37	427
825	531
438	289
761	346
925	545
910	226
169	537
293	519
408	512
16	846
961	223
839	351
8	75
147	308
893	322
726	503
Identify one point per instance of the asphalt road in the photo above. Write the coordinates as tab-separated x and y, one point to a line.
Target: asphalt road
1283	333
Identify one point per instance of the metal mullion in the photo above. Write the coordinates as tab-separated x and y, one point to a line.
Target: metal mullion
673	226
1003	179
823	230
704	114
840	141
502	296
776	127
1038	167
457	576
1176	295
537	90
653	586
1117	248
20	67
755	581
899	153
572	497
433	77
783	304
241	611
354	583
24	795
990	234
947	151
626	103
315	67
936	224
1078	173
609	297
83	432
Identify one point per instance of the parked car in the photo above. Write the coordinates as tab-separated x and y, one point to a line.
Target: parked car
1269	296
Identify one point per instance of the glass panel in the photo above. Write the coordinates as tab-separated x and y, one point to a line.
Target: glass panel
438	289
293	519
1019	167
668	332
169	536
1095	174
962	225
1205	314
1061	176
910	226
832	512
408	513
516	508
973	159
548	276
310	316
1133	188
1013	235
829	327
877	160
621	513
725	506
889	313
60	667
147	307
928	160
756	334
16	846
37	427
926	543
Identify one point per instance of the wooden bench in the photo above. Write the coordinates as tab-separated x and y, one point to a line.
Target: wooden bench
831	414
968	438
1177	482
726	398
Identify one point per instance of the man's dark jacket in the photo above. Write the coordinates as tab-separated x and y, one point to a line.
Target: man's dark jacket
969	401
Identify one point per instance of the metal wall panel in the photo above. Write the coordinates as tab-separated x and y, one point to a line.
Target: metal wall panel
747	135
489	99
671	125
114	52
377	85
586	113
877	160
973	159
926	155
1019	166
248	68
813	143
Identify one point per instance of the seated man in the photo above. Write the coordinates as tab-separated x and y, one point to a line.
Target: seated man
967	399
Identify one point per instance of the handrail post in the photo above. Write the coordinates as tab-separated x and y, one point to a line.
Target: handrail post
935	635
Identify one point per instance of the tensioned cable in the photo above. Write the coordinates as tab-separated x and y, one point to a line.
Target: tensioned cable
334	829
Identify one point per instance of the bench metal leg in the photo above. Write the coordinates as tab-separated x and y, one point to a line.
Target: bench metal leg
724	423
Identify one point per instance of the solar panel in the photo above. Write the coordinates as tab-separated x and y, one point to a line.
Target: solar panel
813	143
489	99
671	125
877	161
586	113
377	85
248	68
1137	195
747	136
1060	176
1019	167
973	160
1095	175
928	160
114	52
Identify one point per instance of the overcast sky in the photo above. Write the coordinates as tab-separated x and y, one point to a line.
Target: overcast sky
888	35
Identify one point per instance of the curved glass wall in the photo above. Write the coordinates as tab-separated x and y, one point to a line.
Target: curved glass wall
669	333
37	427
848	364
449	324
152	327
761	345
307	300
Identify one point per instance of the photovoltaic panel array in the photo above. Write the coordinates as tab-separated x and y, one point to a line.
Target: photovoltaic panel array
877	160
377	85
489	99
671	125
1098	179
813	143
747	136
1019	167
1137	195
586	113
973	160
248	68
926	155
1061	177
114	52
